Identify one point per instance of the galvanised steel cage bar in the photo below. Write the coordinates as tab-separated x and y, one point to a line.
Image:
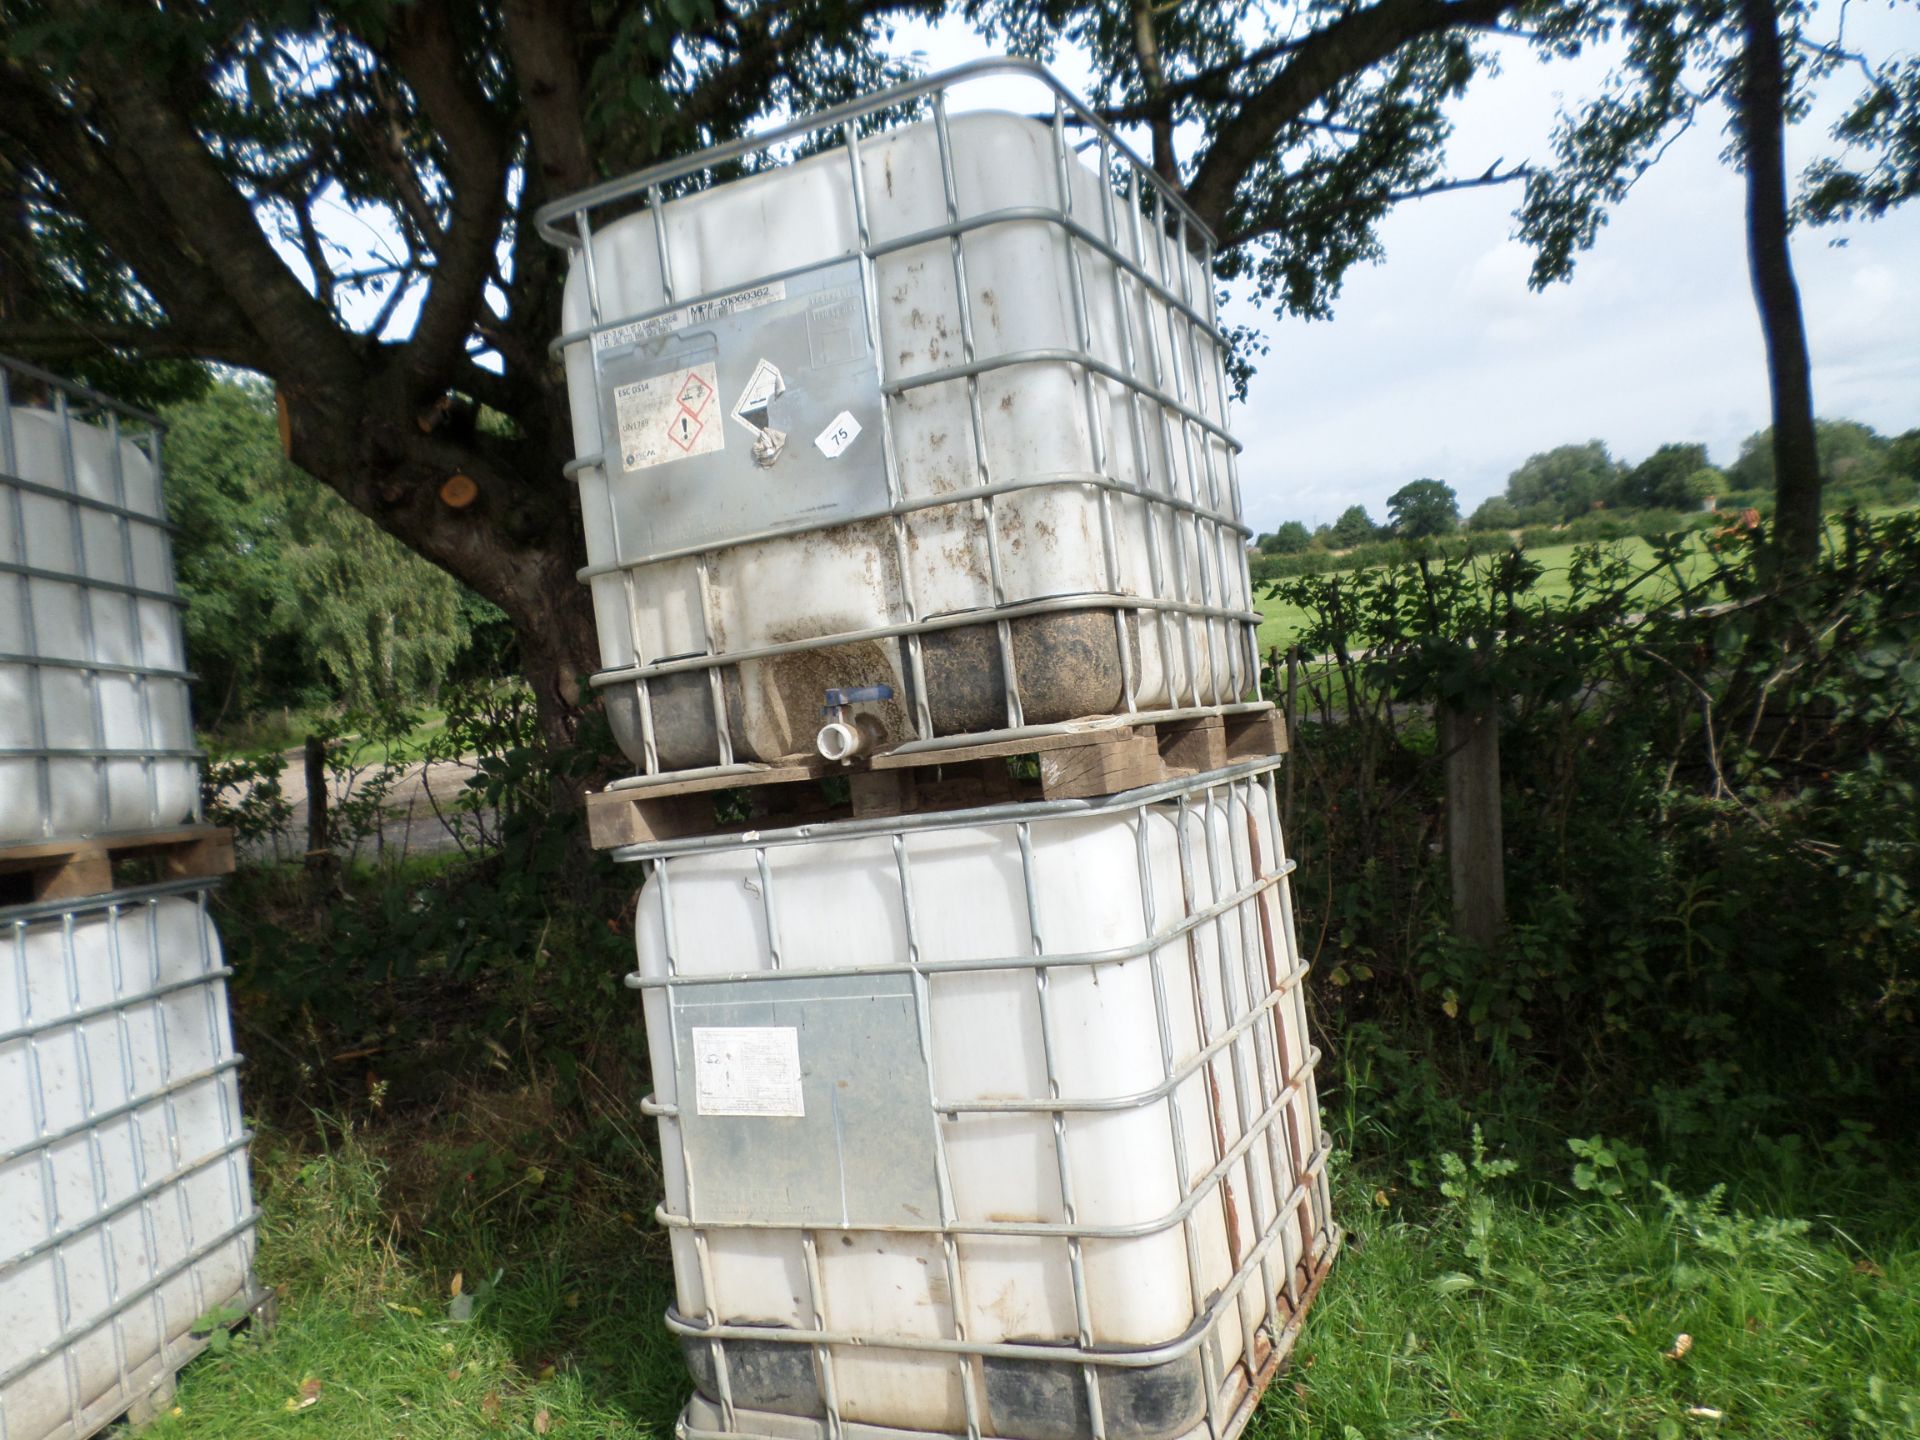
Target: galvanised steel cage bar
113	573
1213	927
125	1210
1145	247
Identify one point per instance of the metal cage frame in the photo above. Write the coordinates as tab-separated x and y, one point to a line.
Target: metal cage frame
144	430
206	1235
1157	221
1294	1240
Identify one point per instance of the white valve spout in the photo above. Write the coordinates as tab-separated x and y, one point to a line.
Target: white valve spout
838	740
842	740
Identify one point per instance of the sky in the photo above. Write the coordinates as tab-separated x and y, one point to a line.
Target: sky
1440	362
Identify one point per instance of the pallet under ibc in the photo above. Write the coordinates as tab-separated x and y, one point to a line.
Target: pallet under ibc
1097	757
76	869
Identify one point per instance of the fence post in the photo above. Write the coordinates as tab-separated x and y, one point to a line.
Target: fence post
1476	853
319	836
1293	739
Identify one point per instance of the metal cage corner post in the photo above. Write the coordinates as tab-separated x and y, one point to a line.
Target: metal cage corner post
104	583
131	1129
1255	1173
1163	384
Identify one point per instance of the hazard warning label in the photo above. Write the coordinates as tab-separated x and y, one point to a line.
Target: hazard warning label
668	417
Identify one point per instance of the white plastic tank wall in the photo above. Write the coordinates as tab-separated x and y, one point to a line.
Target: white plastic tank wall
125	1212
95	732
966	1117
1044	445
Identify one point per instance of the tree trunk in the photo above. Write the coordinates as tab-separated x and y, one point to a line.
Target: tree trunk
517	542
1796	458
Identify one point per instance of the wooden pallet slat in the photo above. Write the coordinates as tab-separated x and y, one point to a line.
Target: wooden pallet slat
1080	772
76	869
966	786
1192	747
1255	736
1100	757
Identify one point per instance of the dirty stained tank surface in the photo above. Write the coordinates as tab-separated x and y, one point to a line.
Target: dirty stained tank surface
834	431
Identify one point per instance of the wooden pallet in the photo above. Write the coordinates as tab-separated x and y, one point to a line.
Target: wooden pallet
1102	759
76	869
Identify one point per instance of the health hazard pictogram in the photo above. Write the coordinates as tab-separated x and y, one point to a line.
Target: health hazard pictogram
694	395
683	430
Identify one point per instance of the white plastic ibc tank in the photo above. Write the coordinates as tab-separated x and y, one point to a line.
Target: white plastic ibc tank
125	1212
972	1119
936	402
95	731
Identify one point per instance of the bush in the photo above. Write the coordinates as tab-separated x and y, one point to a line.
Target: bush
428	967
1712	815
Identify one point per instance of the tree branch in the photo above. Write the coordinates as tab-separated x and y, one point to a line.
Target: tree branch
66	340
127	205
1384	198
1348	47
428	54
546	66
1214	83
1146	49
489	387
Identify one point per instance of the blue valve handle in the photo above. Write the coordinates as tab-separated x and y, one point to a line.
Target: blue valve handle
839	699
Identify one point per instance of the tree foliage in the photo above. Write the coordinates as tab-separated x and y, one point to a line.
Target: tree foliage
1855	460
1423	508
292	597
1496	512
1757	60
1289	539
1563	482
1354	527
1315	121
1674	477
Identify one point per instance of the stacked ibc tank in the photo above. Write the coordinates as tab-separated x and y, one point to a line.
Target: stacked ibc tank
126	1218
982	1073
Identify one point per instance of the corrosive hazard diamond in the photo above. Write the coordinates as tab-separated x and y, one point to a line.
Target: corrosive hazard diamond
684	428
694	395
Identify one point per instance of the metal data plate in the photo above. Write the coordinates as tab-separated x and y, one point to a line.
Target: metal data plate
861	1151
688	398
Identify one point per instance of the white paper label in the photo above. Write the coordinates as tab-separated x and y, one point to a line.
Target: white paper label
701	311
747	1070
669	417
833	441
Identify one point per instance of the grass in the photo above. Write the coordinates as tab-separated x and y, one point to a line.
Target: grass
1499	1317
1499	1309
275	732
561	1303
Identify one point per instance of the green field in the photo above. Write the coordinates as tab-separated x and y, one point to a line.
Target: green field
1281	622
